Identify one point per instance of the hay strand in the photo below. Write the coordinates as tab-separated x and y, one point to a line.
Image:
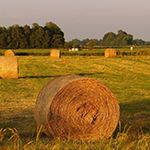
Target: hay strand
81	107
9	53
8	67
110	53
55	53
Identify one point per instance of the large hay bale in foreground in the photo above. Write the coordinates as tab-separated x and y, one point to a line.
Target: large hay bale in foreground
9	53
110	53
8	67
77	107
55	53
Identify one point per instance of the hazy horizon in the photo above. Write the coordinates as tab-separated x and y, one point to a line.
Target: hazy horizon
81	19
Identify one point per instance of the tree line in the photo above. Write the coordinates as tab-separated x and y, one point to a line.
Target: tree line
49	36
109	39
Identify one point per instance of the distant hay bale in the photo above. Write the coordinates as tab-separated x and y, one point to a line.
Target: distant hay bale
8	67
77	107
55	53
110	53
9	53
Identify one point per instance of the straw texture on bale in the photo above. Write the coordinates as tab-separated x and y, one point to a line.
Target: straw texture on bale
110	53
8	67
9	53
55	53
76	106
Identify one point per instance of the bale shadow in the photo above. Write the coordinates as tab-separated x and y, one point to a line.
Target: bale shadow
135	118
51	76
84	74
38	76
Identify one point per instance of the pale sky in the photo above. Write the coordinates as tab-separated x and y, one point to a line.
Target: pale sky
81	19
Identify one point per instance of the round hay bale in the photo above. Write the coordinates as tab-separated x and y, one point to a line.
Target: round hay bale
55	53
77	107
110	53
9	53
8	67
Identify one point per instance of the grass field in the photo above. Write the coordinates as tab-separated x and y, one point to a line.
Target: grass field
127	76
97	51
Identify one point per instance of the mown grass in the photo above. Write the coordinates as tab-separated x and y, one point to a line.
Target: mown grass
127	77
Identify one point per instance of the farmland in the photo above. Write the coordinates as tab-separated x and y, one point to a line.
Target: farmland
127	76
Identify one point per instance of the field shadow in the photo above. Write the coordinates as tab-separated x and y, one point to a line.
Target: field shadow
22	54
134	119
38	76
84	74
31	54
136	116
51	76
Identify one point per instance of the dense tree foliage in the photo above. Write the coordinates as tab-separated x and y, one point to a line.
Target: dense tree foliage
139	42
49	36
111	39
121	39
91	44
68	45
85	42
